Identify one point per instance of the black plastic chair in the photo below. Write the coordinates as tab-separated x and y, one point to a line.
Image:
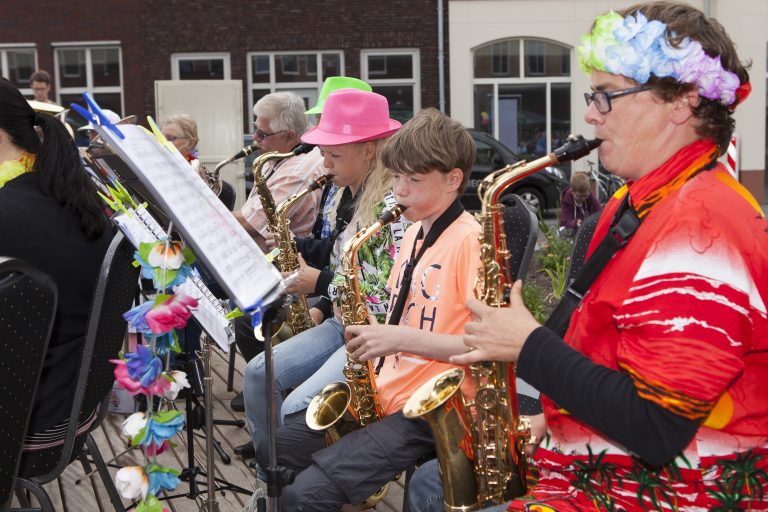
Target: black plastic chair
581	244
114	293
28	300
522	228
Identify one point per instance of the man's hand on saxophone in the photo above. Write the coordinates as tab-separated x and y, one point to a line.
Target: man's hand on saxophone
497	334
304	280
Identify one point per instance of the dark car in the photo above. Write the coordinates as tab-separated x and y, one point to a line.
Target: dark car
541	190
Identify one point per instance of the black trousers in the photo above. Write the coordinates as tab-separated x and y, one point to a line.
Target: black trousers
350	470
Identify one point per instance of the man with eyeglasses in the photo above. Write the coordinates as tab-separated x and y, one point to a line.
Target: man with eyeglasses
659	381
280	122
40	82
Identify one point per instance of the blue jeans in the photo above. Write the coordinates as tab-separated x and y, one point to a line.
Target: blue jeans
307	362
425	491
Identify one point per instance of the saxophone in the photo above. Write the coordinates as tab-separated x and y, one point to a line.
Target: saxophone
481	459
297	315
213	178
297	318
358	393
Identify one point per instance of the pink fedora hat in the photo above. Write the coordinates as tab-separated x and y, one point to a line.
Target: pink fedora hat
351	115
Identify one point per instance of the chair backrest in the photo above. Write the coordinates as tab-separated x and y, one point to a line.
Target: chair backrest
114	293
28	300
581	244
522	230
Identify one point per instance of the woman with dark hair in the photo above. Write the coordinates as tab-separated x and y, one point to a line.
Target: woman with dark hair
51	217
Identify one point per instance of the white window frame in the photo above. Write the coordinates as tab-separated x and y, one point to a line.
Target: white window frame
177	57
88	46
414	82
275	86
526	79
4	71
500	53
536	54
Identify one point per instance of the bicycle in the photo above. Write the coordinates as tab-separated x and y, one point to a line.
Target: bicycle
607	183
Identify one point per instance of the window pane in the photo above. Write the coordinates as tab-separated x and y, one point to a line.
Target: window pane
498	60
296	68
400	98
74	119
110	100
260	69
201	69
543	58
72	68
331	65
21	64
484	108
106	67
522	118
561	118
486	156
390	66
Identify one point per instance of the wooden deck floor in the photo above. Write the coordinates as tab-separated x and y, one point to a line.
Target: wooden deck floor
76	492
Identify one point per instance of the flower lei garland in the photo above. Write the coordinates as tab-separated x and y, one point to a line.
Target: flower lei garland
142	372
636	48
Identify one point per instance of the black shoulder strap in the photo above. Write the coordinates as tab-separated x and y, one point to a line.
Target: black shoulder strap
441	224
623	226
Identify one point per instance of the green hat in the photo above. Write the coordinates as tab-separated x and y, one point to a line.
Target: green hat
334	83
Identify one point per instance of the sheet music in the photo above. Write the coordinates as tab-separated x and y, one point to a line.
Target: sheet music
142	227
215	236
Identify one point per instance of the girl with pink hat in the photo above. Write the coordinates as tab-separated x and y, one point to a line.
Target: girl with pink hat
351	131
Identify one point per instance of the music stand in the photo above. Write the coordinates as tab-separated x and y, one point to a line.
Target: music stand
218	240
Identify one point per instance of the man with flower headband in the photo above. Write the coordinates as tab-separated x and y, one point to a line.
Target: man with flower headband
655	396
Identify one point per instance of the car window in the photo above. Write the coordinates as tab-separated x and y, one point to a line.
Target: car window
485	155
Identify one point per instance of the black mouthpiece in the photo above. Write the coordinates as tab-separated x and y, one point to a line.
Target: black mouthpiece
391	214
246	151
576	147
303	148
320	182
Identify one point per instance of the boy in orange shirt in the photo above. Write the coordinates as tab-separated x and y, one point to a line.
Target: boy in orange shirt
430	158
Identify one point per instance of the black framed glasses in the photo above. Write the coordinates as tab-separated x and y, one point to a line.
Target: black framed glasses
261	135
602	99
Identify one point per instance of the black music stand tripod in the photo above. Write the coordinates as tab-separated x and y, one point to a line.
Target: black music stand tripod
277	476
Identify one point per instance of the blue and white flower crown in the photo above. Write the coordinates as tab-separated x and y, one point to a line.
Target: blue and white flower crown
636	48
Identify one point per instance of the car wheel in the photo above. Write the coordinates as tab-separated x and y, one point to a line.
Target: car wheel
531	197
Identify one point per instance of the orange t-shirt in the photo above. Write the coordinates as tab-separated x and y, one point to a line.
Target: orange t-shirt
443	280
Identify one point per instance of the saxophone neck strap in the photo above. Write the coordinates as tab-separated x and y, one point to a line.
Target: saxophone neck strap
440	225
623	226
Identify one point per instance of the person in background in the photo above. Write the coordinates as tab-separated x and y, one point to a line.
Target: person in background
40	82
181	131
659	381
577	203
52	218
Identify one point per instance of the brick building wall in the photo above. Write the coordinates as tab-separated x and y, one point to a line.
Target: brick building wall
239	27
49	21
149	31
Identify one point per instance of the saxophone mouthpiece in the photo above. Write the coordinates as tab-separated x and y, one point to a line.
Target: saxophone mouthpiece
320	182
392	214
247	150
576	147
303	148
